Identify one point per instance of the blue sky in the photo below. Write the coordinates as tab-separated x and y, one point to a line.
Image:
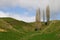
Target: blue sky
25	10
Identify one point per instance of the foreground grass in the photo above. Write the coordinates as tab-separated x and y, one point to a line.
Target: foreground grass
50	36
9	36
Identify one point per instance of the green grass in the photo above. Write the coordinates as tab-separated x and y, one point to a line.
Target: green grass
51	33
51	36
10	36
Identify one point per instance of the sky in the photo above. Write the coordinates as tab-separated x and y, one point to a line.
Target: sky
25	10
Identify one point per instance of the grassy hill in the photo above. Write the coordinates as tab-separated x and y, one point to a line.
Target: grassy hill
12	29
51	32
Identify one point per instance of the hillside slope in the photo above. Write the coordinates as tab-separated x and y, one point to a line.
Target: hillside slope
19	25
12	29
51	32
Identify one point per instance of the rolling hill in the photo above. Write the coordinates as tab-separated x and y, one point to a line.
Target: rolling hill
12	29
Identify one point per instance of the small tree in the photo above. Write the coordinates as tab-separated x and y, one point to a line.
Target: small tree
43	16
47	14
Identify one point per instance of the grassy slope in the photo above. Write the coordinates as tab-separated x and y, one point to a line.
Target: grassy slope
19	25
51	33
11	34
6	23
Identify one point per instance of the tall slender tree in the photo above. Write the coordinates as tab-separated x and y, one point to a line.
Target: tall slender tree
43	16
38	15
38	19
47	14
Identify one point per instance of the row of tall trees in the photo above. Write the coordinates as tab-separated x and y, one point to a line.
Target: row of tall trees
38	17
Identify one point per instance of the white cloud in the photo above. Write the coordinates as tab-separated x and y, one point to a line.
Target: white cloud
21	17
2	14
54	4
7	3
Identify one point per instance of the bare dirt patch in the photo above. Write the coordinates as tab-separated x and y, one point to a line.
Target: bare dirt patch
3	30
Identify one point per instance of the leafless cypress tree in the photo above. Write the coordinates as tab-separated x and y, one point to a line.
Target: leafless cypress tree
47	14
38	19
43	16
38	15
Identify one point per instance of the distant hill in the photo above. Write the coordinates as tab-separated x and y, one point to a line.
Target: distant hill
19	25
12	29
